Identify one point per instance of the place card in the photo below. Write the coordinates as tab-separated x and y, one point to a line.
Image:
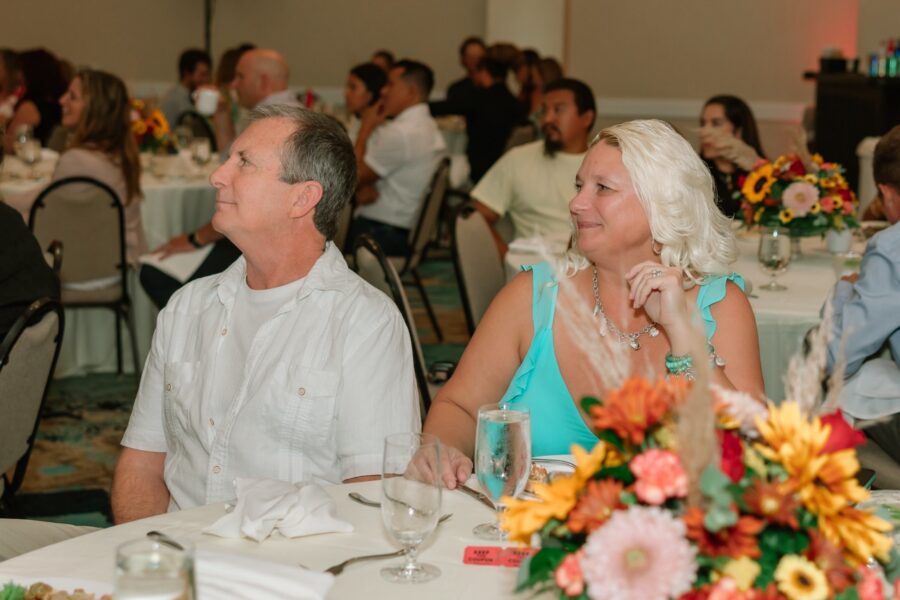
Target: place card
495	556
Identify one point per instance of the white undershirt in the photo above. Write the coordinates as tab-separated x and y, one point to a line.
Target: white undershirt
252	308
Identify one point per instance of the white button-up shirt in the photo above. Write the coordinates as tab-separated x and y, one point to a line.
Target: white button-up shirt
325	380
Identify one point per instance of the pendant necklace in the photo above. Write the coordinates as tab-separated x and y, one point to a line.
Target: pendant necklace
607	326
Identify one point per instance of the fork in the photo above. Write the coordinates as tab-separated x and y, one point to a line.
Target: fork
339	568
357	497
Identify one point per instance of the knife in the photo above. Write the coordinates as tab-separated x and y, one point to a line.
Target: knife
478	496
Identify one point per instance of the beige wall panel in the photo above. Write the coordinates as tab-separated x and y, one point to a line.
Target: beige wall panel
757	49
878	20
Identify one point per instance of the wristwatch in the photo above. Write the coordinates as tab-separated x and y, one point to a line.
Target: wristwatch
192	238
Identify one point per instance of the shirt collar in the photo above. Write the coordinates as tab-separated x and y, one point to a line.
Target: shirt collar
329	273
282	97
415	112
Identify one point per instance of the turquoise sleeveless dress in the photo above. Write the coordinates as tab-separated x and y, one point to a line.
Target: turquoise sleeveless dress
556	423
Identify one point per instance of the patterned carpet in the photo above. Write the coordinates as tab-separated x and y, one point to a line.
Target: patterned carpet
71	466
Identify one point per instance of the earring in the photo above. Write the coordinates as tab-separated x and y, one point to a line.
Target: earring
653	247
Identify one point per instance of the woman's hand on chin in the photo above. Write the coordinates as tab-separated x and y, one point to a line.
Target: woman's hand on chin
660	291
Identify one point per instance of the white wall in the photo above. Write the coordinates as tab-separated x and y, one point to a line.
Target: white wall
538	24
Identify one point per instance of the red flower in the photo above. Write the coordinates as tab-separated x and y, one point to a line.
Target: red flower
732	455
795	169
842	436
830	560
870	586
770	201
568	575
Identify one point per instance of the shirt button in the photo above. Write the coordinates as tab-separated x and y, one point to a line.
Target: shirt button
224	330
168	387
301	391
217	469
212	423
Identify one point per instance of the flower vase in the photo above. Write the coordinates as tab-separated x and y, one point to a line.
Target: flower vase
838	241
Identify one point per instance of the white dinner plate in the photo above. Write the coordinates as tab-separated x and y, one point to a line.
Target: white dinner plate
63	584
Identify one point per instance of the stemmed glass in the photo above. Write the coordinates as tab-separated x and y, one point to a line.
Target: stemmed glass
411	500
153	568
502	459
774	254
183	137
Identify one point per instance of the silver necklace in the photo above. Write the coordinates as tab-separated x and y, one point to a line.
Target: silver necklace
607	326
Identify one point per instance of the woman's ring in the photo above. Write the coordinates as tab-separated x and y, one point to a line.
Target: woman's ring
655	273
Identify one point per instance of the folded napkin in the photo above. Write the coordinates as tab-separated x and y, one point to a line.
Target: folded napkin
294	509
180	266
229	576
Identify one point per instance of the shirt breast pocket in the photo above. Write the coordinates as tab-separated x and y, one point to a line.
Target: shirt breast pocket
309	408
179	391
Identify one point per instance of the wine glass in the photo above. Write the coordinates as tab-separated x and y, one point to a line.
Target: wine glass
201	151
502	458
774	254
183	137
153	568
411	500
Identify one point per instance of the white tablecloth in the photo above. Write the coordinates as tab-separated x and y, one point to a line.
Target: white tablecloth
782	318
92	556
170	207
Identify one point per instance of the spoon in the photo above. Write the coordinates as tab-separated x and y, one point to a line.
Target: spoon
356	497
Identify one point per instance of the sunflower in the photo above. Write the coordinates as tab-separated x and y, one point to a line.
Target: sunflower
525	517
799	579
758	183
786	215
815	209
859	533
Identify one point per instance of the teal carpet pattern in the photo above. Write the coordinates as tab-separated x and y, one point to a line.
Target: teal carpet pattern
71	466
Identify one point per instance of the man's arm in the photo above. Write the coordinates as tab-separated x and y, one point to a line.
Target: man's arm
492	217
138	488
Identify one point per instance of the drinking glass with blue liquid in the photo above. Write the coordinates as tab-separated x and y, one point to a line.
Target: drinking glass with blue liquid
502	458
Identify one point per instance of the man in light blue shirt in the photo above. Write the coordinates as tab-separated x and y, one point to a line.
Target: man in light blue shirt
866	327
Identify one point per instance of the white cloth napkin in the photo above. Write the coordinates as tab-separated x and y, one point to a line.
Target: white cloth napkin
227	577
294	509
180	266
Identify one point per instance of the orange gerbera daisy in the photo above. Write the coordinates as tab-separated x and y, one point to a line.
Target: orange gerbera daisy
596	505
735	541
637	406
773	500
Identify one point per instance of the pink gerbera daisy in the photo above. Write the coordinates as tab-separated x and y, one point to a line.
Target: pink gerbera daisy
639	554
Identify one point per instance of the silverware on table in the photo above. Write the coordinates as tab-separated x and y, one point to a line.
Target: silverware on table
357	497
339	568
162	538
477	495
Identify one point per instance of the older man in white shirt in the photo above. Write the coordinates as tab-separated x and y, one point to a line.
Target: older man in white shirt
287	365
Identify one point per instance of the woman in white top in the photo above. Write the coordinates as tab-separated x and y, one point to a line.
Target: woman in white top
97	114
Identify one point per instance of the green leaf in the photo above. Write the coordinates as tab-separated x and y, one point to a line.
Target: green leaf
538	567
609	436
589	401
11	591
621	473
892	566
628	498
848	594
719	517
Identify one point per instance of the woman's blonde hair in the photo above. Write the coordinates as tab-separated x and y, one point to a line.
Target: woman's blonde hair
105	125
677	193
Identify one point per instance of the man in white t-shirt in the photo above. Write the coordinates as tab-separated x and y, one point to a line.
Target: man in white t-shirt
396	159
533	183
287	365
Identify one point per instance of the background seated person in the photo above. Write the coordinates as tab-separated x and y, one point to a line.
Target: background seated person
38	106
533	182
396	159
362	90
866	316
194	70
651	253
286	366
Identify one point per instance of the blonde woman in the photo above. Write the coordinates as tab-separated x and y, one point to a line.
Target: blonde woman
651	259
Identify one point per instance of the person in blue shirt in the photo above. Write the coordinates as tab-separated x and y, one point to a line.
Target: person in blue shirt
648	270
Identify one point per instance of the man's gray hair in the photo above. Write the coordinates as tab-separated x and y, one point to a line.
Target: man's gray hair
318	150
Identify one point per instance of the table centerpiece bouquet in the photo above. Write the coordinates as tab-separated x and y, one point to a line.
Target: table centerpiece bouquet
809	197
697	493
150	129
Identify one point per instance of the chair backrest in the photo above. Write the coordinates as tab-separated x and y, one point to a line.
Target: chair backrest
27	358
200	127
54	256
420	237
373	266
479	267
87	217
521	134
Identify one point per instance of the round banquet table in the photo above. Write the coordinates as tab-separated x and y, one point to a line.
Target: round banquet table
171	206
782	318
91	557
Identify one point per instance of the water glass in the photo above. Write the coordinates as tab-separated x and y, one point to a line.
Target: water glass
502	458
183	137
201	151
411	500
774	254
149	568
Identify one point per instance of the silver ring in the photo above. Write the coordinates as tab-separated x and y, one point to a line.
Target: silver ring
655	273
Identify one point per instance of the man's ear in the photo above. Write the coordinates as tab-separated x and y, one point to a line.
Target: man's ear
304	198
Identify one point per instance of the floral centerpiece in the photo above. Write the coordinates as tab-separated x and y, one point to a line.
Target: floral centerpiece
808	198
150	129
769	514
